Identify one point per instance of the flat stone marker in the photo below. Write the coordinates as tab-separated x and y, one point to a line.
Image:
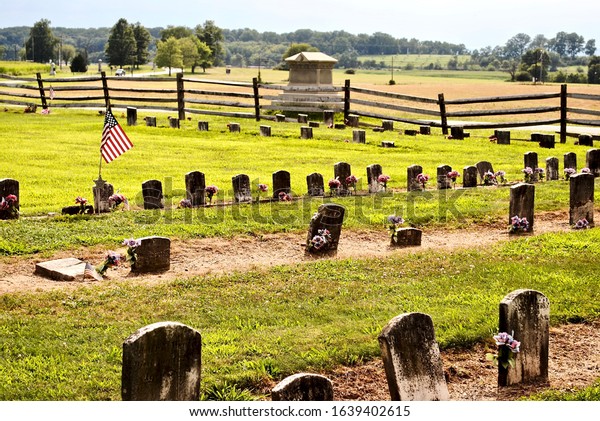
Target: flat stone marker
388	144
153	195
306	132
281	183
426	130
234	127
586	140
525	314
592	161
570	160
551	168
315	184
76	210
195	184
341	171
329	216
174	123
150	121
407	237
69	269
352	120
457	132
502	137
280	118
241	188
547	141
162	362
470	175
203	126
9	186
443	182
102	192
581	202
387	125
410	132
265	131
359	136
522	202
530	159
303	387
152	255
303	118
482	168
412	361
314	124
373	172
411	177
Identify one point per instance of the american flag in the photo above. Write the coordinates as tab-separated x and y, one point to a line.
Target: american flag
90	272
114	140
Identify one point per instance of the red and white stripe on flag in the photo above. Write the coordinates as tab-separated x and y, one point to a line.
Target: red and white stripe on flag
114	140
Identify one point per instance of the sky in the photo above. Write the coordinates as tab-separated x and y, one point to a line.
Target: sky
474	23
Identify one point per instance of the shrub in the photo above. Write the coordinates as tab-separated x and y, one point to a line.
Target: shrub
79	64
350	71
560	77
392	82
523	77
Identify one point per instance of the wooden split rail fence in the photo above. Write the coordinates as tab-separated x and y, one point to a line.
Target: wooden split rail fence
248	100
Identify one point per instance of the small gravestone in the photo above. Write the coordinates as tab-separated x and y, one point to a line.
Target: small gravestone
195	184
530	159
387	125
536	137
280	118
77	210
328	117
281	183
482	168
102	192
341	171
9	186
592	161
373	173
174	123
411	177
426	130
410	132
352	120
162	362
303	387
303	118
457	132
313	124
241	188
315	184
265	131
522	202
412	361
443	181
407	237
234	127
581	198
306	132
153	194
570	160
152	255
131	116
586	140
525	314
551	168
330	217
387	144
378	129
547	141
502	137
359	136
150	121
470	174
69	269
339	126
203	126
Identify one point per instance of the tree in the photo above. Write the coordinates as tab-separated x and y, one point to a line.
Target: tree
574	45
594	70
212	36
142	42
539	41
536	62
590	47
195	53
298	48
79	64
515	47
121	46
558	44
41	43
169	54
68	52
178	32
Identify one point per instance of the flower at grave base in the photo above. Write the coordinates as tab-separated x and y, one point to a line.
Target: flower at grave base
81	200
569	172
112	259
528	174
185	203
540	173
500	176
321	240
453	175
132	245
422	179
116	199
395	223
518	224
582	224
351	180
263	187
383	180
505	343
132	242
334	185
11	199
284	197
586	170
489	178
210	192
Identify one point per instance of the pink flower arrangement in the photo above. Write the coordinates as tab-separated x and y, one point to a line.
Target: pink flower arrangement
210	192
321	240
383	179
422	179
334	185
284	197
263	187
8	203
116	199
185	203
508	347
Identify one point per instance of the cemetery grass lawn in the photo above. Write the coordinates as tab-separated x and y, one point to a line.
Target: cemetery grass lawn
260	326
55	158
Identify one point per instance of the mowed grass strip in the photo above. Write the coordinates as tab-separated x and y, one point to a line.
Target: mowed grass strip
264	325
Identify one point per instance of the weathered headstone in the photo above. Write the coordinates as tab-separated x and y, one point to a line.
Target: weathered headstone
592	161
153	194
131	116
77	210
426	130
570	160
547	141
586	140
525	314
68	269
330	217
174	123
359	136
9	186
265	131
241	188
482	168
195	184
373	172
502	137
387	125
530	159
352	120
581	198
162	361
551	168
470	174
341	171
303	387
280	118
150	121
410	132
203	126
339	126
152	255
387	144
234	127
314	124
411	177
303	118
328	117
443	182
315	184
411	358
281	183
457	132
102	192
407	237
306	132
522	202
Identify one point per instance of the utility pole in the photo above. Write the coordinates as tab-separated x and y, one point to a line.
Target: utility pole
541	64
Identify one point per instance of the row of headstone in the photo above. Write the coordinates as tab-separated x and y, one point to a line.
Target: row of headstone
163	361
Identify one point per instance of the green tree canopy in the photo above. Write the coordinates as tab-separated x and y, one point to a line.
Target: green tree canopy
142	42
121	46
298	48
169	54
41	43
594	70
212	36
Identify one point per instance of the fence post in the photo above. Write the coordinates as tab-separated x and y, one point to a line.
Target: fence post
346	99
256	98
42	93
105	88
180	98
443	116
563	113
